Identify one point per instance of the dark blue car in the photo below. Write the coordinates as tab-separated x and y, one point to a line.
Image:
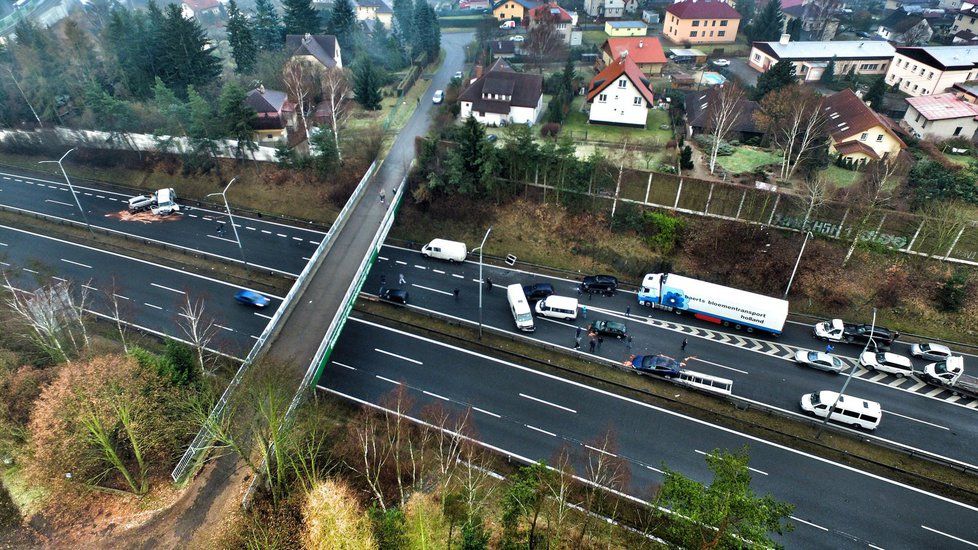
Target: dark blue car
662	365
251	298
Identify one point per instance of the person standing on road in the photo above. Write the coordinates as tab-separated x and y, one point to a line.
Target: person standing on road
829	348
593	343
400	279
628	343
683	346
455	293
577	341
584	311
382	197
488	284
628	311
577	334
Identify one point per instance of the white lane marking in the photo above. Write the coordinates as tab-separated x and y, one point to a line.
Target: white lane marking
306	259
249	228
59	279
763	473
152	306
382	258
934	392
408	359
263	315
314	242
898	382
420	266
388	380
717	365
871	545
297	239
193	215
654	469
29	270
168	288
222	327
59	202
435	395
92	288
534	428
602	451
281	234
399	262
120	296
556	406
432	289
483	411
4	244
799	520
76	263
959	539
223	239
344	366
887	411
674	414
266	232
99	196
458	276
255	337
438	271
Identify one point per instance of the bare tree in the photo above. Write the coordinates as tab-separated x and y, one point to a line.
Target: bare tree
199	328
918	34
301	80
476	478
795	122
724	111
371	455
872	193
335	87
544	41
944	222
119	303
560	486
52	318
604	469
814	193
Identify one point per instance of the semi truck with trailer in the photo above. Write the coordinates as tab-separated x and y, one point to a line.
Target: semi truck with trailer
714	303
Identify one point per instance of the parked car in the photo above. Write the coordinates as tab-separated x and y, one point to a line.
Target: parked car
438	97
600	284
662	365
609	328
931	352
721	62
886	362
491	138
538	291
251	298
395	295
517	38
508	25
819	360
458	75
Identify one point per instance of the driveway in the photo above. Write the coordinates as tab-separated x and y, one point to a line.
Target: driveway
743	72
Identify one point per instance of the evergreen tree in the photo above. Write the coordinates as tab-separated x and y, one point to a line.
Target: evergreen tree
174	113
474	535
828	75
404	19
268	30
686	158
327	157
746	9
780	75
130	42
767	24
874	96
366	84
343	22
794	29
241	37
186	58
236	118
426	37
472	165
300	17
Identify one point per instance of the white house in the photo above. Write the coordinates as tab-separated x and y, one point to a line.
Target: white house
503	96
932	70
620	95
941	116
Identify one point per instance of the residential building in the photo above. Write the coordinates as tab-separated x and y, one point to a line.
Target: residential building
609	9
966	19
514	9
865	57
950	5
319	49
276	114
967	91
941	116
504	49
856	132
906	29
930	70
198	8
562	19
375	10
644	51
503	96
625	28
962	38
620	95
699	111
651	17
819	18
701	22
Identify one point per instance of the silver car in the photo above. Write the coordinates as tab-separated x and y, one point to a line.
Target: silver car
819	360
931	352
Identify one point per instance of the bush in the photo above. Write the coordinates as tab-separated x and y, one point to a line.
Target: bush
550	129
706	143
951	296
665	231
333	519
389	527
9	514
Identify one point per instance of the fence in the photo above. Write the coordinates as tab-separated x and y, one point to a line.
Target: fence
190	459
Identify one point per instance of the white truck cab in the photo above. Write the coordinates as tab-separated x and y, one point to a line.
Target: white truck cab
830	330
166	202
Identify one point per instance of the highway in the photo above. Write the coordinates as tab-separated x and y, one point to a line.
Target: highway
916	415
150	295
268	245
531	415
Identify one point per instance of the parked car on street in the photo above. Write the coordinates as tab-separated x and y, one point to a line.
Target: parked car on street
251	298
662	365
609	328
600	284
886	362
931	352
819	360
395	295
438	97
538	291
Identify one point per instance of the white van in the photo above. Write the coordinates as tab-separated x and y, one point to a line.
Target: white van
520	308
442	249
557	307
854	411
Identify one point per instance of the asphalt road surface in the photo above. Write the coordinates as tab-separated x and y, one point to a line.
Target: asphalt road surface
150	296
916	415
532	415
268	245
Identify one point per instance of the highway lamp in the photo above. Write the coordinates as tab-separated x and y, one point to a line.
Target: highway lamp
481	281
852	370
227	207
60	163
791	279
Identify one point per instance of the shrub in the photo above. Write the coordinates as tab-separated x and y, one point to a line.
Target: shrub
706	143
665	231
951	296
333	519
389	527
550	129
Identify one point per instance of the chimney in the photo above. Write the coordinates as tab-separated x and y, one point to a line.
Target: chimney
641	43
624	54
785	38
261	89
307	37
478	70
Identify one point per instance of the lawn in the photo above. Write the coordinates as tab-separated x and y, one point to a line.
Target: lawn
840	177
577	125
593	37
739	45
963	160
747	159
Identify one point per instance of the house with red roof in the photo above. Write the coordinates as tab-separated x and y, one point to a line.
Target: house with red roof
858	133
620	95
701	22
644	51
941	116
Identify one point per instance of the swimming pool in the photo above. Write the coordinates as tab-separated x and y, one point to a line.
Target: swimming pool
713	79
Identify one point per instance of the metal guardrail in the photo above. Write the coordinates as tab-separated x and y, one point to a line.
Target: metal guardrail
201	441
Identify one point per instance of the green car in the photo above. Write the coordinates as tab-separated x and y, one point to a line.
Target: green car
609	328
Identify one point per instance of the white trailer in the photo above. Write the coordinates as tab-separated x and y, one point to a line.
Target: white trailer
714	303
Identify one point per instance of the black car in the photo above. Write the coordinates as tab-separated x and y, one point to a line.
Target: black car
600	284
394	295
538	291
609	328
662	365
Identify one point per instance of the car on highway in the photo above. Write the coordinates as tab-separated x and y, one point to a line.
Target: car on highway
438	97
931	352
609	328
458	75
538	291
721	62
663	365
886	362
394	295
251	298
599	284
819	360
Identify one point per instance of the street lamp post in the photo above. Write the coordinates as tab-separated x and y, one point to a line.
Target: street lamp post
71	187
852	370
481	281
22	94
227	207
798	261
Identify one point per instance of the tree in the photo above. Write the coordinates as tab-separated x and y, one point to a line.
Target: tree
241	37
302	83
746	9
767	25
404	19
813	193
335	88
237	118
876	93
198	328
474	535
725	513
780	75
723	112
333	519
186	57
545	42
793	28
343	22
366	84
870	194
471	165
426	33
794	120
828	75
325	153
931	181
300	17
686	158
268	30
524	501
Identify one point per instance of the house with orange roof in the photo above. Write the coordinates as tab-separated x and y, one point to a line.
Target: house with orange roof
620	95
645	51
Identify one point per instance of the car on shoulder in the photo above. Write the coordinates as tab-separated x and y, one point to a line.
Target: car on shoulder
931	352
458	75
394	295
609	328
600	284
819	360
438	97
886	362
538	291
251	298
721	62
663	365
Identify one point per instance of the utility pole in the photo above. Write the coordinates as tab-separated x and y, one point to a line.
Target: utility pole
798	261
60	163
27	101
227	207
621	168
481	280
852	371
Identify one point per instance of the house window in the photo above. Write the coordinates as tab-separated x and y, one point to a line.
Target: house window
696	23
622	83
602	98
711	33
919	116
723	23
757	57
863	137
638	101
924	125
721	33
957	131
692	34
879	138
713	23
